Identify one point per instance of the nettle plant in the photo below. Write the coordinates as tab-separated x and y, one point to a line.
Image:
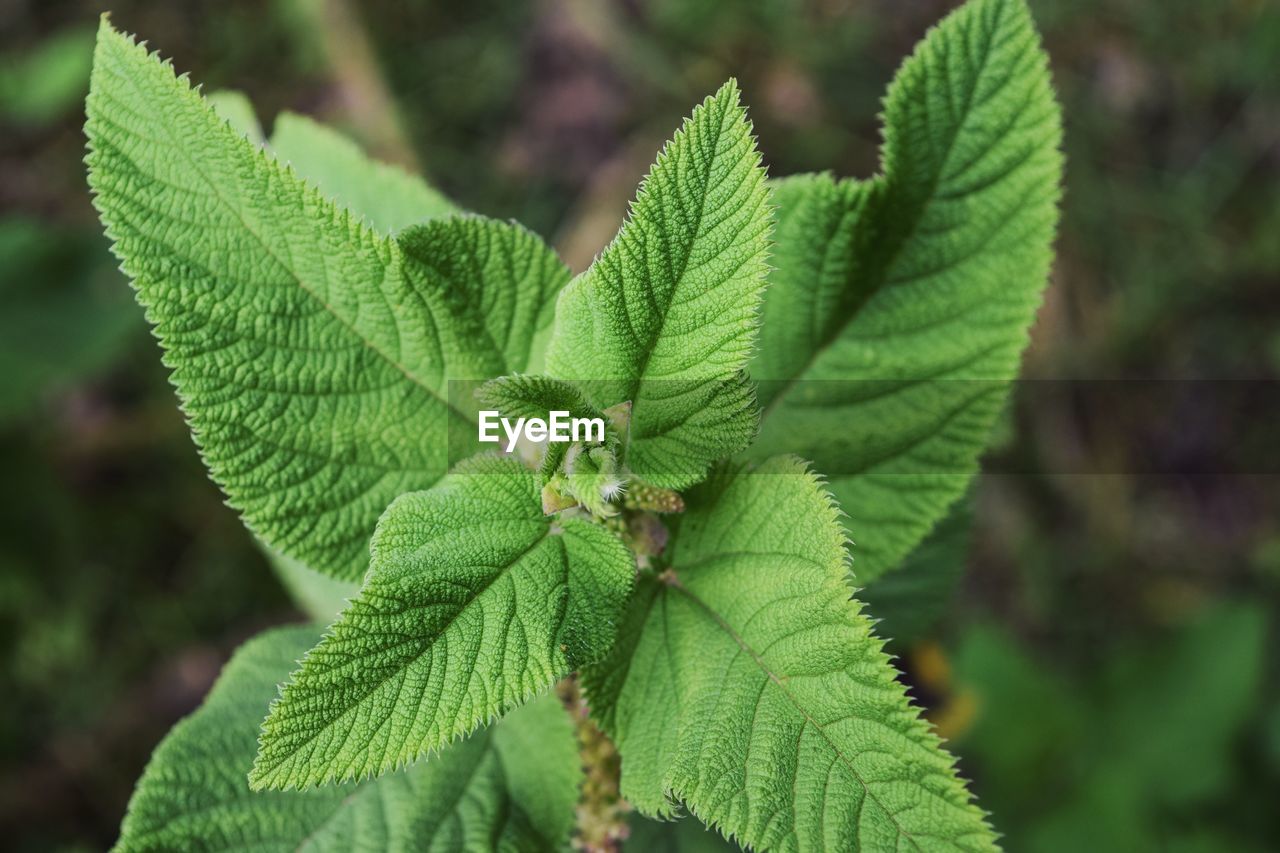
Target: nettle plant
685	578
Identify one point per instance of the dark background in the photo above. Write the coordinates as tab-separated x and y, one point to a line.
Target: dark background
1107	667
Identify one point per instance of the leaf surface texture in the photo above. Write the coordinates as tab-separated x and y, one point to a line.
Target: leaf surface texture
511	787
898	308
475	601
748	684
666	316
312	354
389	197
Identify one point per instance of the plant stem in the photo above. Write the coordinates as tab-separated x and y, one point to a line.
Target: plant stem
602	813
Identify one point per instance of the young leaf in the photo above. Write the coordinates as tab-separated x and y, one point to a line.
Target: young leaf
513	786
666	316
899	307
312	355
388	197
525	396
474	602
748	684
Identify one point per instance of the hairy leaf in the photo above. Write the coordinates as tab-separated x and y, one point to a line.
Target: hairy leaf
525	396
511	787
748	684
235	108
666	316
910	598
387	196
475	601
899	307
311	354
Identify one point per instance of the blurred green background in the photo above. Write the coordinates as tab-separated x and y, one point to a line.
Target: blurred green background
1106	666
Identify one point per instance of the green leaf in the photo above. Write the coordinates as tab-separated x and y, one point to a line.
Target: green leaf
312	356
525	396
747	684
910	598
501	282
387	196
666	315
474	602
513	786
899	307
594	479
235	108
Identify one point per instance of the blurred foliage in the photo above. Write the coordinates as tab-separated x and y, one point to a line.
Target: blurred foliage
47	82
66	316
1106	666
686	835
1146	752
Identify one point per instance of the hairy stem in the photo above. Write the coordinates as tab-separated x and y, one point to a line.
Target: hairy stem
602	813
